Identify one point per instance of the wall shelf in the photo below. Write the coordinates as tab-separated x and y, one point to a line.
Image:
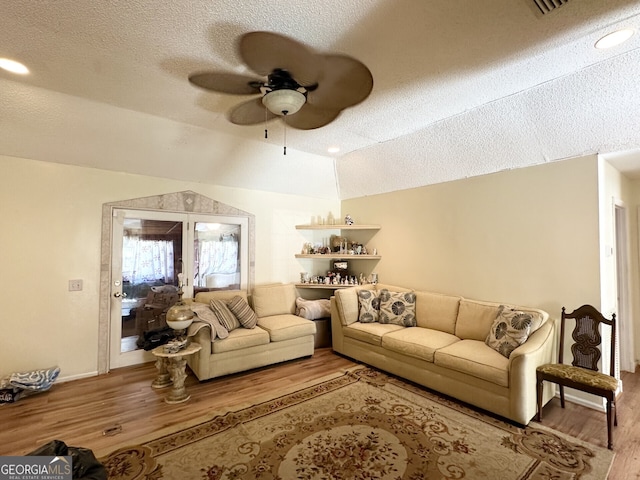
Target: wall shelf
321	286
337	256
338	227
333	255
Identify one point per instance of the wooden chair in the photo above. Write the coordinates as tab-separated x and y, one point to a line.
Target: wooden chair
583	372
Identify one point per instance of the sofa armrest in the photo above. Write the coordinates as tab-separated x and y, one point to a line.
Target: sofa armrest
539	349
199	361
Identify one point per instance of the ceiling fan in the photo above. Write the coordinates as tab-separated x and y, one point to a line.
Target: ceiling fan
307	88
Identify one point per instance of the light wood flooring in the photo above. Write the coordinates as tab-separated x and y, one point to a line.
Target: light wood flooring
79	412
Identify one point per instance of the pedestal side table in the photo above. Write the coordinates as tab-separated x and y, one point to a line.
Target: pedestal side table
172	371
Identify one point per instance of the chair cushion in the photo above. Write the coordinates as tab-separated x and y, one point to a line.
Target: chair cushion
580	375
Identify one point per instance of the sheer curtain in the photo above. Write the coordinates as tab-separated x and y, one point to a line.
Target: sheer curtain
147	260
218	256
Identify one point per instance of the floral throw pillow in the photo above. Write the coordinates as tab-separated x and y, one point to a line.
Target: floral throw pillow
510	329
368	306
398	308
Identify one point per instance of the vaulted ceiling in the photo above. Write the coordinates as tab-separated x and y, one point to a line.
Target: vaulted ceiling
461	88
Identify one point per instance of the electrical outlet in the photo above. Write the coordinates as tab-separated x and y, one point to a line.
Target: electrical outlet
75	285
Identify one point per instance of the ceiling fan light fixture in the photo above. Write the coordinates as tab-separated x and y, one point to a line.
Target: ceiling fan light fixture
284	101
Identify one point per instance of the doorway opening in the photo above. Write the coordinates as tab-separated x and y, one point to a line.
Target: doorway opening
147	244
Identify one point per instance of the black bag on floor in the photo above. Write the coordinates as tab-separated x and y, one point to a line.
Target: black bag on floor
155	338
85	465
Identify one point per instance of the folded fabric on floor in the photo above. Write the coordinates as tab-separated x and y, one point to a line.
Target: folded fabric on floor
35	381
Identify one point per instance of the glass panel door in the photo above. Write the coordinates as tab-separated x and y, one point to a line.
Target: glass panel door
217	256
147	258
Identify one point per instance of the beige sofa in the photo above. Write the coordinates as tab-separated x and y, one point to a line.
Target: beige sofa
446	350
280	335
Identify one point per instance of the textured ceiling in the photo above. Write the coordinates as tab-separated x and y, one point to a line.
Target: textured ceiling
461	88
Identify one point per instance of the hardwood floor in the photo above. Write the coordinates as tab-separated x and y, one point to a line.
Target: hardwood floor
79	412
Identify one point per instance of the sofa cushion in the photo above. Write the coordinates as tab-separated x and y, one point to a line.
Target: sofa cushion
474	358
239	339
206	297
418	342
346	301
437	311
392	288
398	308
368	306
509	330
276	299
243	312
369	332
475	319
287	326
224	315
313	309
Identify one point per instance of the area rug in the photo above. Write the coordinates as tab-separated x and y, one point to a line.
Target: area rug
362	424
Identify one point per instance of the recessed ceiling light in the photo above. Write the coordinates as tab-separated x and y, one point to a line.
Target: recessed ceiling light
13	66
333	149
615	38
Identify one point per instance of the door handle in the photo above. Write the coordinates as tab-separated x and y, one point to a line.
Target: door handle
118	295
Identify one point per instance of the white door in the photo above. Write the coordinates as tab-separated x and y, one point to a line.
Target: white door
149	249
146	258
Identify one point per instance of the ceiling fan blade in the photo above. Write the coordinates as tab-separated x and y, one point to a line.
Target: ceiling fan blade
251	112
310	117
264	52
344	82
226	82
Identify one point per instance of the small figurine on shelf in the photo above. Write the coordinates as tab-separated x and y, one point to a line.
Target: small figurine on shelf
348	220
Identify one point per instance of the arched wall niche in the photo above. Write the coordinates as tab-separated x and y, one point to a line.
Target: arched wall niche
179	202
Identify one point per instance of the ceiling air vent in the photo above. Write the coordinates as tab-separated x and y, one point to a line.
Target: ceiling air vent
547	6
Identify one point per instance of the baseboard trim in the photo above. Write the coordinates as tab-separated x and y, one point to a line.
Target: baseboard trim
593	404
70	378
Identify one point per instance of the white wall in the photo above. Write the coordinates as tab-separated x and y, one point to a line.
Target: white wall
616	189
528	236
50	232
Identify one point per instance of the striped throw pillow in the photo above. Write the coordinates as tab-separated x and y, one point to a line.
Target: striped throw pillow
243	312
225	316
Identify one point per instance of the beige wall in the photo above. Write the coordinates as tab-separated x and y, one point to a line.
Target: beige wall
528	236
50	233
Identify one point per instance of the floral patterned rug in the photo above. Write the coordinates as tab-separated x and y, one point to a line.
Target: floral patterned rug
362	424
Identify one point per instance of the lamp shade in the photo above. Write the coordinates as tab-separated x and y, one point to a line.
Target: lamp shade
179	316
284	101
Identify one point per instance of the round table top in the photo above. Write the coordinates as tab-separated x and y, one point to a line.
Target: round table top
192	347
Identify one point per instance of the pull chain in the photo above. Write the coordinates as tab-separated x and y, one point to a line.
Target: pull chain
284	119
266	118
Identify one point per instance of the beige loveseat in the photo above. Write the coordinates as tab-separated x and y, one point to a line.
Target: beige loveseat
446	350
279	335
